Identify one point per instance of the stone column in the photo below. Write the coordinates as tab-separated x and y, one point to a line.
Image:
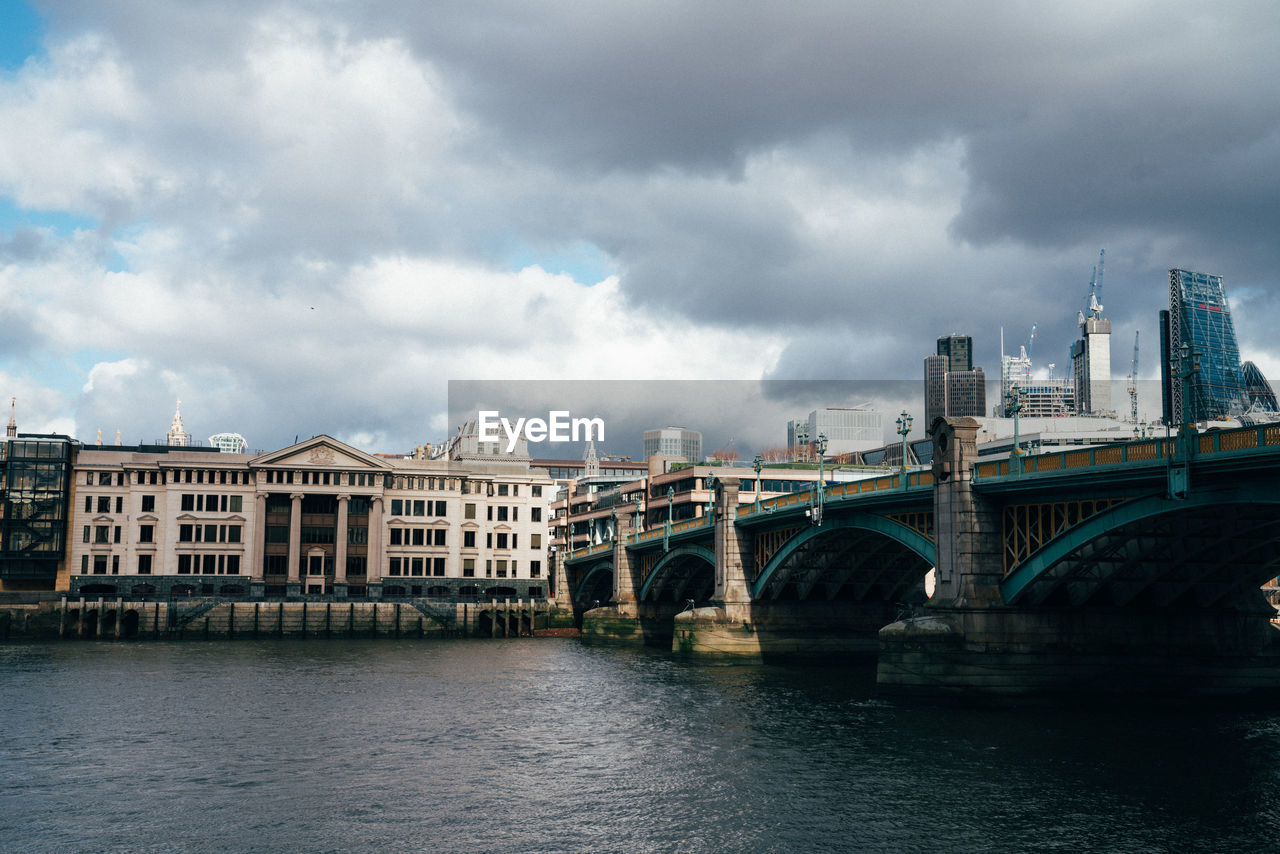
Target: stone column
376	560
626	583
733	553
293	587
258	548
966	526
340	549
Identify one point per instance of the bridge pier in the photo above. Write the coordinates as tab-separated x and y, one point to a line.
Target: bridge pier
970	642
625	621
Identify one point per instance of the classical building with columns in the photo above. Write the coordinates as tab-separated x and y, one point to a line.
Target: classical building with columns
319	518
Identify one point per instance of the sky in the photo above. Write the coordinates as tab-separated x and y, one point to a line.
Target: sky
308	216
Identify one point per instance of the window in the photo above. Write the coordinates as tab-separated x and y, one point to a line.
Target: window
100	561
277	533
115	564
235	503
393	567
146	533
210	533
115	534
210	565
211	503
536	514
119	503
468	567
502	489
416	563
186	533
188	502
490	511
419	508
86	533
233	533
537	491
437	566
104	504
535	568
515	541
438	539
184	564
144	564
104	478
468	539
441	508
488	539
88	504
148	504
84	561
468	511
502	541
397	507
502	514
515	514
502	569
419	537
396	536
233	564
535	541
101	533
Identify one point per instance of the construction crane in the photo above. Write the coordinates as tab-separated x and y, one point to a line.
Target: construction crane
1031	339
1133	380
1094	304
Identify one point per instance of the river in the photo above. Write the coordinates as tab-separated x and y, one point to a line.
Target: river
549	745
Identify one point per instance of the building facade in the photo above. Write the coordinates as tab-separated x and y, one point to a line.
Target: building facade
319	518
1091	367
1200	318
952	385
673	442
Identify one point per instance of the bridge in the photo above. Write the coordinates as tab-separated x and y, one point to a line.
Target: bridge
1129	566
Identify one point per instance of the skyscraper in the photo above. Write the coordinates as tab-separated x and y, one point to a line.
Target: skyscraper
952	386
1199	319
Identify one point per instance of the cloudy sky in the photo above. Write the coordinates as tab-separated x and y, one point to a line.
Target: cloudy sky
308	216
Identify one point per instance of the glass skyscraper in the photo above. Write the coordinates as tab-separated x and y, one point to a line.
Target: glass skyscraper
1200	318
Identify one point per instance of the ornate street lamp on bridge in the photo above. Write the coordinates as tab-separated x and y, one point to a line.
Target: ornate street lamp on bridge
904	427
815	515
757	464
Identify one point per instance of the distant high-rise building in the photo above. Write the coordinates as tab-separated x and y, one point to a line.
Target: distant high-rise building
1199	318
952	386
1091	367
673	442
1262	397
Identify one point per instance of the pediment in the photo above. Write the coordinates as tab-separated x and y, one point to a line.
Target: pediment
321	452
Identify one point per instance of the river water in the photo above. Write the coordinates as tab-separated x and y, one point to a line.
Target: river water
548	745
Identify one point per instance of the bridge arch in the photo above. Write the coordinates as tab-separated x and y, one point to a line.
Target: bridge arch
593	582
1209	544
676	572
884	553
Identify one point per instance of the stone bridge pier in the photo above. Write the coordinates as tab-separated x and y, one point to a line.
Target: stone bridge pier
625	620
970	641
740	626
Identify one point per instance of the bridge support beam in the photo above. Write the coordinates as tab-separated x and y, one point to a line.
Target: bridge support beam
970	643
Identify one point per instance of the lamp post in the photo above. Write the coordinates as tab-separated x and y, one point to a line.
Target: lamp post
815	515
1015	406
757	464
637	502
666	531
904	427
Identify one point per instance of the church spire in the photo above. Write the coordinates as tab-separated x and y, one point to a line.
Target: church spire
177	435
12	430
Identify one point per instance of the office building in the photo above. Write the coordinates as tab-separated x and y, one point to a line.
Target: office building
673	442
849	430
1199	318
952	386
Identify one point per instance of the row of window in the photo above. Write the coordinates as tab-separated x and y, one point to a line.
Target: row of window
415	507
419	536
498	567
212	503
208	533
502	513
189	564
